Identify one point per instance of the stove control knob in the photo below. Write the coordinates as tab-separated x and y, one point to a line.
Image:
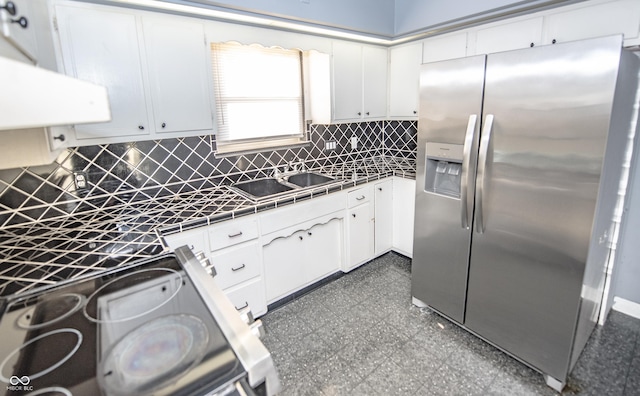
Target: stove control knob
257	329
245	314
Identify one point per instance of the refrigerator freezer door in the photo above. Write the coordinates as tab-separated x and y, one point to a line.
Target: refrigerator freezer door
451	91
551	107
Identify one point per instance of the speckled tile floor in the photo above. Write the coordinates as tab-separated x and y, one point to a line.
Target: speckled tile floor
360	335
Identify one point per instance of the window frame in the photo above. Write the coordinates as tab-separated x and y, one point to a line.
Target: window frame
262	143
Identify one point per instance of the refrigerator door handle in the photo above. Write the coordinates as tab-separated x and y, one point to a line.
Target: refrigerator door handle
466	157
485	141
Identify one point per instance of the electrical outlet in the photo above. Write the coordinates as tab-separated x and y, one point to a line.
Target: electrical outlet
80	179
330	145
354	142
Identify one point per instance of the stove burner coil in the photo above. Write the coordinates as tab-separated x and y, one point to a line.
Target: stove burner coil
124	278
61	307
159	351
50	368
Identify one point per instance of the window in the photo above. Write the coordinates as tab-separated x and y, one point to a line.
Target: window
259	96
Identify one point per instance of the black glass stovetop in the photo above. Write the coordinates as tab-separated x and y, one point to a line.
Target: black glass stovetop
142	329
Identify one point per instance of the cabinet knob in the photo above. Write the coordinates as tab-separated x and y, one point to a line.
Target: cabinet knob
354	215
300	237
164	124
60	138
415	112
10	8
553	41
379	188
140	127
309	233
531	45
22	21
367	113
359	113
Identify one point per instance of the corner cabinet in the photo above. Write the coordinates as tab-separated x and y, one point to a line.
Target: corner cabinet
359	81
154	68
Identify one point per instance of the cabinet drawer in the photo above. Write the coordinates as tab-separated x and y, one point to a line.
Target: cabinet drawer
236	264
249	294
194	239
359	196
232	232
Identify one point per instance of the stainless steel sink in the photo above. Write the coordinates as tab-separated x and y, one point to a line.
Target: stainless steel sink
271	187
308	179
261	188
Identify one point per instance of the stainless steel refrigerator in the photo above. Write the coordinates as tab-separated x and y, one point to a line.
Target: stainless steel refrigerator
519	161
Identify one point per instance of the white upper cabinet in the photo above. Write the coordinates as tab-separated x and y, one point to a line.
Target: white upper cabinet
18	28
404	80
359	81
177	64
439	48
516	35
619	17
155	70
101	46
347	81
375	70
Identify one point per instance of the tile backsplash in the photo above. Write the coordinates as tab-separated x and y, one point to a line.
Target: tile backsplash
125	172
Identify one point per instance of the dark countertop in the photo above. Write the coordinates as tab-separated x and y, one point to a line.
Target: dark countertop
47	252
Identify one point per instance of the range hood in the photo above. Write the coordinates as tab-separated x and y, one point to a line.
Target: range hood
33	97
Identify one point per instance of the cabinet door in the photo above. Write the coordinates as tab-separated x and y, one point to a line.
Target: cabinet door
21	35
249	294
404	80
451	46
360	235
101	46
375	69
404	197
283	260
347	81
178	74
510	36
323	249
595	21
383	193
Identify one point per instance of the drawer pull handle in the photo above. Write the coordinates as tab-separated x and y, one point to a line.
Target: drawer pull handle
239	268
237	234
360	198
246	304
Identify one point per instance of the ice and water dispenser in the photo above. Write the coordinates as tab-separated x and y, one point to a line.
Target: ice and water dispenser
443	171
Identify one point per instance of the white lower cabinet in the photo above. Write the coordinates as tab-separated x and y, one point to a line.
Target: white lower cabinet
260	259
383	216
249	294
404	198
236	264
359	227
293	260
360	236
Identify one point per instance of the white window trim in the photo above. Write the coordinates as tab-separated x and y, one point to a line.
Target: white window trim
225	148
